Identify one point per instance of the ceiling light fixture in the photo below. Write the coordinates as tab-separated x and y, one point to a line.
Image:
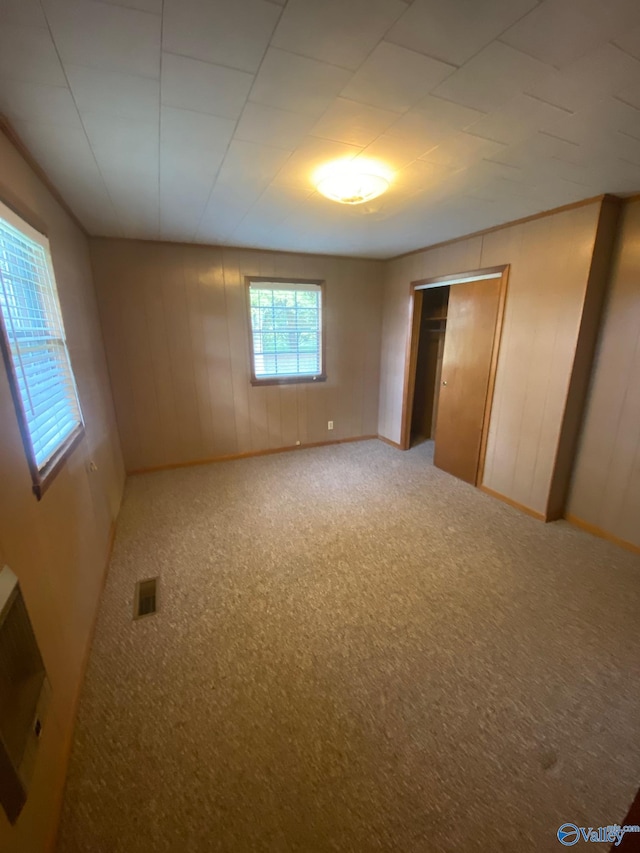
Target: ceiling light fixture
352	181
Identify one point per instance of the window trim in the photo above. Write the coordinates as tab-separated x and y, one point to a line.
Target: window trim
296	379
41	478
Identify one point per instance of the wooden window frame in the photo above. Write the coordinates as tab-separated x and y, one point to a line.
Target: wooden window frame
294	379
41	477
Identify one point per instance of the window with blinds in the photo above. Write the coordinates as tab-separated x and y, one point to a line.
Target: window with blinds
34	347
286	330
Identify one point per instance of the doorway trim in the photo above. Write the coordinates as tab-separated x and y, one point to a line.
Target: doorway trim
416	291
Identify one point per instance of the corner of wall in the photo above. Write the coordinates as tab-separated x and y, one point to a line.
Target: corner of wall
598	280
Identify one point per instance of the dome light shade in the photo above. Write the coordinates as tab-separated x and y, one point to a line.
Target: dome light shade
351	182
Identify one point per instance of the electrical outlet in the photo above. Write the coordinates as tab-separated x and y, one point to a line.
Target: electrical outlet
330	425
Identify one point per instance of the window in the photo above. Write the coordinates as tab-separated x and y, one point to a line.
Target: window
287	340
35	350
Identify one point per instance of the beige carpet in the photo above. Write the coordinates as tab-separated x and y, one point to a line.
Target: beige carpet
354	652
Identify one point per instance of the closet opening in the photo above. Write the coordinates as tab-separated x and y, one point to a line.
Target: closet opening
433	323
451	364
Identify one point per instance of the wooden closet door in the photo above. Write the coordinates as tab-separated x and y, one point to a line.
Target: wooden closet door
466	365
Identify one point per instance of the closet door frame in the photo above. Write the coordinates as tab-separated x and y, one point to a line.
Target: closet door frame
411	356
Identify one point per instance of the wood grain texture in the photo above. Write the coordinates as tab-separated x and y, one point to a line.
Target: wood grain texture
550	261
466	364
389	442
411	365
550	264
583	357
605	489
526	509
601	533
292	448
57	547
483	231
396	319
58	794
176	330
495	355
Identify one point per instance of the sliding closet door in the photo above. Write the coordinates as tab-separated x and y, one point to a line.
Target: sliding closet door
468	346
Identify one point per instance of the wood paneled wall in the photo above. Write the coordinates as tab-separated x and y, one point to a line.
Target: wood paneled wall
551	262
58	547
605	491
176	330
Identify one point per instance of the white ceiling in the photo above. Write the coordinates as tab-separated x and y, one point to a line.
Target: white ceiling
203	120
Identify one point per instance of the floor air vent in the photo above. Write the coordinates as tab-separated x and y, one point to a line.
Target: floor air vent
146	603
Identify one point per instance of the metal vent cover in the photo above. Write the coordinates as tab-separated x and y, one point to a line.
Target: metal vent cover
146	598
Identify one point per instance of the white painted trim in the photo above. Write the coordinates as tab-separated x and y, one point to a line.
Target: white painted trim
460	280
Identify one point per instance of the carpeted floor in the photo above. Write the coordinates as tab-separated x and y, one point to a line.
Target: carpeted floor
354	652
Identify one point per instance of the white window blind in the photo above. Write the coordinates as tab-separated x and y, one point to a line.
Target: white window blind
35	338
286	324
